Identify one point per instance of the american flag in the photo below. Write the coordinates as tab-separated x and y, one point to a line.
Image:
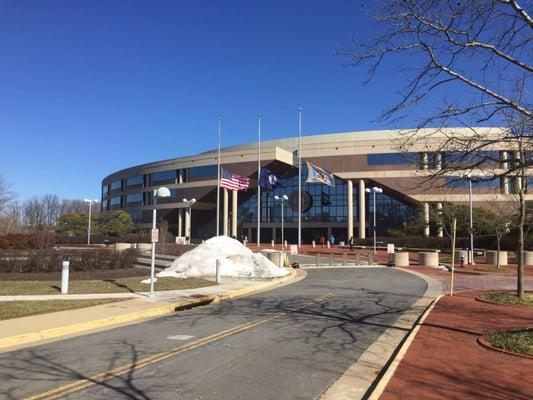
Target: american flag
231	181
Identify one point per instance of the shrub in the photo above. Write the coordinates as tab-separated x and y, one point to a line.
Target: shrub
49	259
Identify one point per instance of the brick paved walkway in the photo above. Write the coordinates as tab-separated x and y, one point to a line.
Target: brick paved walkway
445	361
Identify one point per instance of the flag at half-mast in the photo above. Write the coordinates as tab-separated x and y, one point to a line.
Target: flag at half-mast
318	175
232	181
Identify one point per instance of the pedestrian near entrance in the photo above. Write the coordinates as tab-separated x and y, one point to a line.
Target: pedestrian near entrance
351	243
322	241
331	239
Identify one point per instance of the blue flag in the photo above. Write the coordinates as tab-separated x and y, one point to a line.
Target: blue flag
318	175
269	180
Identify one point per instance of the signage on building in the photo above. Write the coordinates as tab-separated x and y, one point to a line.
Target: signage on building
155	235
294	249
390	248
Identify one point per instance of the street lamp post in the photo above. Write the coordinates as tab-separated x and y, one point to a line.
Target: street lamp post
161	192
90	201
188	212
282	199
374	190
471	228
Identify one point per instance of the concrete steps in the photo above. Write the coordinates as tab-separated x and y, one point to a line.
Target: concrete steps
161	261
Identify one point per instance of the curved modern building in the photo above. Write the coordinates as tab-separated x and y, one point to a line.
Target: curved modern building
358	160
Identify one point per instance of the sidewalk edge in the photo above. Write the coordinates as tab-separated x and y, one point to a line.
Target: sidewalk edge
110	322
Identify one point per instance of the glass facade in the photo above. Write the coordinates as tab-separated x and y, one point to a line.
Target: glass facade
392	158
135	199
321	203
158	178
135	182
489	182
115	203
201	173
116	186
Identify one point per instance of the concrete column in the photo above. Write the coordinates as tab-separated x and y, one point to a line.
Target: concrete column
188	223
180	176
504	155
180	222
350	209
362	209
249	234
234	203
426	219
274	234
425	160
517	179
440	230
438	161
225	214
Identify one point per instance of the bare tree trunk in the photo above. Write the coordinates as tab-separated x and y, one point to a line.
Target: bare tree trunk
520	254
498	239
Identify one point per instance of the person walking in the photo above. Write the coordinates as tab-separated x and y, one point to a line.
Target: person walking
351	243
322	241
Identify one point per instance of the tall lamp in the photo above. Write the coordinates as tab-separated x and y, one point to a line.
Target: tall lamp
161	192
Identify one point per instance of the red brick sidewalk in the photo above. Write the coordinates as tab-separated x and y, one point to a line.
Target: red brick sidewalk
445	361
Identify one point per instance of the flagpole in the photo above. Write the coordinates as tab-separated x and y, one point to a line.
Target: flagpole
299	177
218	179
258	178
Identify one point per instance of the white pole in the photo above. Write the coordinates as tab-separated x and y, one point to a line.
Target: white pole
218	179
374	191
471	222
299	177
89	227
152	265
282	232
258	177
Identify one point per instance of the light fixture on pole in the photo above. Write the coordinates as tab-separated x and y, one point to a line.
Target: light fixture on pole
89	223
188	212
161	192
283	199
469	176
374	190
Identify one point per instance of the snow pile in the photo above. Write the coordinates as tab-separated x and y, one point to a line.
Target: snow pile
236	260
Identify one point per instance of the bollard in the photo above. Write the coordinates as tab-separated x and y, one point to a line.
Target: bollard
344	259
218	272
285	244
329	244
318	259
64	276
370	259
331	259
272	243
314	244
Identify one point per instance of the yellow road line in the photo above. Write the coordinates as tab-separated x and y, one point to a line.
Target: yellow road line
144	362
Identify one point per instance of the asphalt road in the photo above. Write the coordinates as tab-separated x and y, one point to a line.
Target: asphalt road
288	343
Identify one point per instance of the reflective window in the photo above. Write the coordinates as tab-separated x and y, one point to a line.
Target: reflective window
104	205
116	186
392	158
135	181
201	173
135	199
489	182
472	159
114	203
163	177
136	215
105	190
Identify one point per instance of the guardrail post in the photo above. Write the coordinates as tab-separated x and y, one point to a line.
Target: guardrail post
358	259
317	259
344	259
370	259
64	276
330	259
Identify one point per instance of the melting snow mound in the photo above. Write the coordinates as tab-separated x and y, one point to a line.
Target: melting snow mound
236	260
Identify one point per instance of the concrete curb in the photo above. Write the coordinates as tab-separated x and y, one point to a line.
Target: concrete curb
110	322
368	373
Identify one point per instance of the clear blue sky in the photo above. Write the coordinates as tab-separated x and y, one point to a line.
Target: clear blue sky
90	87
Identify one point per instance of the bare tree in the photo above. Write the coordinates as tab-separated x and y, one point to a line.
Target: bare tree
6	195
482	47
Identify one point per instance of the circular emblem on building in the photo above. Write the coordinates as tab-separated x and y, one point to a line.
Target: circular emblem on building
307	201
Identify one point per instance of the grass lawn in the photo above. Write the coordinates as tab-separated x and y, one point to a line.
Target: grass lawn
510	298
520	342
118	285
17	309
